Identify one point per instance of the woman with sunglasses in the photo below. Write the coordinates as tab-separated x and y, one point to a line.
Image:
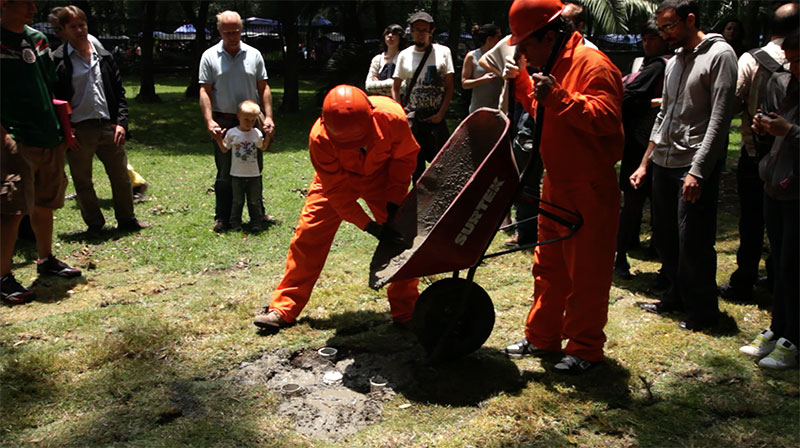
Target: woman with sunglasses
379	79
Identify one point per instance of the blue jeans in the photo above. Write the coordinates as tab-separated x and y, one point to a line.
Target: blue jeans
222	185
250	188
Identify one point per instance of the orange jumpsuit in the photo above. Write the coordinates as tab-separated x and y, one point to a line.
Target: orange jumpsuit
379	174
582	139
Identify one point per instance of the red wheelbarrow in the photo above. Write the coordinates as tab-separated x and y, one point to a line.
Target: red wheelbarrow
447	222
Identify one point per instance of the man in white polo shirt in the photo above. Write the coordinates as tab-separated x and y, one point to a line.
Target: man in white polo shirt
231	72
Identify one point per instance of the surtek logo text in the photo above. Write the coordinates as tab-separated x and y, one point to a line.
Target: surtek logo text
477	214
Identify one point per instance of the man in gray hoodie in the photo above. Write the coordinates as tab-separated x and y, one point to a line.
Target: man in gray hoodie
687	152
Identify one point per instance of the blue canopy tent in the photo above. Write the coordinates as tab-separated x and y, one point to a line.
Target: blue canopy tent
259	21
188	29
318	22
258	27
444	35
321	21
333	36
44	27
625	39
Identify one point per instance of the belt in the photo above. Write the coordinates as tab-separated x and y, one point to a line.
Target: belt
224	115
92	121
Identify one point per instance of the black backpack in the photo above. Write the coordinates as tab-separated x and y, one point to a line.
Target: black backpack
763	143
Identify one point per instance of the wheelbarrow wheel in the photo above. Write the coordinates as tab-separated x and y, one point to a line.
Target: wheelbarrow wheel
452	318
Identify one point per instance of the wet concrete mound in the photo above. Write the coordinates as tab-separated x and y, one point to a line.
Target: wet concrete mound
326	398
331	410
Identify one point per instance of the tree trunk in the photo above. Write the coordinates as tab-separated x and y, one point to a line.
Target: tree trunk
454	32
199	44
751	23
453	39
147	90
352	26
380	15
291	86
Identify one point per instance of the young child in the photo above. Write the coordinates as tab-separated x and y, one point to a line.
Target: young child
244	141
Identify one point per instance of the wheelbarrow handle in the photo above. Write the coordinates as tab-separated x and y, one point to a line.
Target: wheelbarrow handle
539	119
572	226
536	140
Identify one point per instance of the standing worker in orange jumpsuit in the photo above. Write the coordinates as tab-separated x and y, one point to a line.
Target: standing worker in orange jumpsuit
581	141
361	147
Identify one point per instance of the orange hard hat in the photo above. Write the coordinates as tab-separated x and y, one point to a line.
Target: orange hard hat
527	16
347	116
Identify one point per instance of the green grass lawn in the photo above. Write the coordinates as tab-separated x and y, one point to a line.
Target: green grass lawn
137	351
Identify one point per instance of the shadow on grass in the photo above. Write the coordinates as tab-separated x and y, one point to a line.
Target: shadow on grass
55	289
607	382
127	393
97	237
48	289
379	347
644	283
725	326
27	250
762	298
718	403
468	381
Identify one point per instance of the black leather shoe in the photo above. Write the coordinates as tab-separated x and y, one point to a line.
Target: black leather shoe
661	281
764	281
658	307
736	293
695	325
623	272
134	225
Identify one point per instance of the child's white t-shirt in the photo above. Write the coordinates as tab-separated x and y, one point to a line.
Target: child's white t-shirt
243	147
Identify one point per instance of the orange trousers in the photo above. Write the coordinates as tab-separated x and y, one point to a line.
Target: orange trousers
309	249
572	277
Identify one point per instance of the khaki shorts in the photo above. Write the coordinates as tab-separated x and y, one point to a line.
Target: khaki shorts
42	179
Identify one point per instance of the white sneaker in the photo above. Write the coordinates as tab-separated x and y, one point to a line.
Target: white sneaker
784	356
761	346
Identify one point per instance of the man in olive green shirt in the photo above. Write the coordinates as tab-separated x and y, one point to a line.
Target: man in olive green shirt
31	147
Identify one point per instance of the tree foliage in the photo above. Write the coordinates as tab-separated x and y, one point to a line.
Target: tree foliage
361	22
616	16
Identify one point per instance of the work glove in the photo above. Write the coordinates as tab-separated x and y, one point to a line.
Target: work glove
374	229
384	233
391	210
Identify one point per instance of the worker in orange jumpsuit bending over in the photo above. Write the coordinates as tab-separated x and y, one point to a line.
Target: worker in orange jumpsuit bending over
361	147
582	139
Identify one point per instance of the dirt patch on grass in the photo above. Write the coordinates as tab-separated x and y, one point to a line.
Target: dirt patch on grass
331	411
322	409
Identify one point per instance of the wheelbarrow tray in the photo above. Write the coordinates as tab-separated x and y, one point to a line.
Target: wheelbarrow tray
450	216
